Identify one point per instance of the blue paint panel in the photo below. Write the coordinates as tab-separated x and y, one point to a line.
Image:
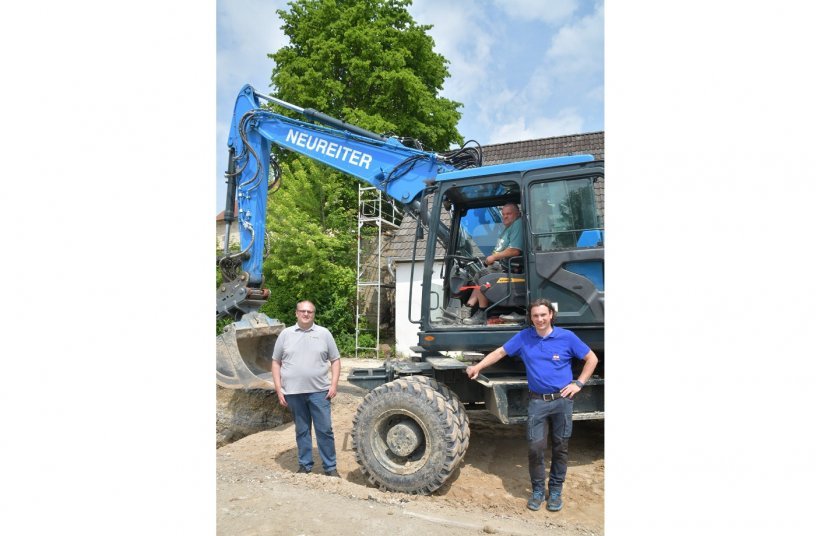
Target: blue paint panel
590	239
592	270
524	165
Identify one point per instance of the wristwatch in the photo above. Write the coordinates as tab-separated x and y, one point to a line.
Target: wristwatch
579	383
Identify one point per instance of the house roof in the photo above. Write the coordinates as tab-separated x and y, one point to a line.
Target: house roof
589	143
399	245
220	215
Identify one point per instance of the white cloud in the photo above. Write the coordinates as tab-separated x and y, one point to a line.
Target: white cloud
245	36
568	78
567	121
464	37
578	48
539	88
596	93
548	11
505	87
491	109
507	104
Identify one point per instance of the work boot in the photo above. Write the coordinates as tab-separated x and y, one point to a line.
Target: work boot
333	473
534	502
448	318
447	321
451	315
554	503
478	319
303	469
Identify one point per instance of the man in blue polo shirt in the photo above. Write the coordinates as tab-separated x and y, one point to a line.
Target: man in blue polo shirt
546	351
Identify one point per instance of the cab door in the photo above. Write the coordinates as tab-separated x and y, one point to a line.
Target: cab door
565	233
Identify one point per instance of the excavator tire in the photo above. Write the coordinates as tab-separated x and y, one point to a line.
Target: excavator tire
244	352
457	408
406	437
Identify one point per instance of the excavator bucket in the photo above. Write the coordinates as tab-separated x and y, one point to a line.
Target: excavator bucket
244	352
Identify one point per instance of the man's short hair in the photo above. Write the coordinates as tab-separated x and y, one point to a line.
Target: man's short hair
305	301
515	207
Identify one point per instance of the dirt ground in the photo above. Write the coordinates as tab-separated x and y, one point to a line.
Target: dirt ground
258	492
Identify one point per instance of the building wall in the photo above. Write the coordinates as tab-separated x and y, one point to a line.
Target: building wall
405	331
220	230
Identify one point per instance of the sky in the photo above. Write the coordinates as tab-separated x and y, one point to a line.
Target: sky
523	69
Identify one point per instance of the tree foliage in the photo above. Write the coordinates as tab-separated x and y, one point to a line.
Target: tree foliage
369	63
312	245
366	62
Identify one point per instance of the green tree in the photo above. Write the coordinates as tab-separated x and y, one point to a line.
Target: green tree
366	62
312	246
369	63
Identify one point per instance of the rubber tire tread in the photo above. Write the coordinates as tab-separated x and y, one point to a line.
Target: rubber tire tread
457	408
436	413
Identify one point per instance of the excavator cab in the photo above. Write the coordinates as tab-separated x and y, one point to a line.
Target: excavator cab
561	258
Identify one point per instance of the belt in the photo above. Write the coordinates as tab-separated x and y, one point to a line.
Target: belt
546	396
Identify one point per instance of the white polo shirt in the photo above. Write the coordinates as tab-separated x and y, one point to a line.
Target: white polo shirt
305	356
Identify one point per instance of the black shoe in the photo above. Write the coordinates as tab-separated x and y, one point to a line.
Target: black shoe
302	469
333	472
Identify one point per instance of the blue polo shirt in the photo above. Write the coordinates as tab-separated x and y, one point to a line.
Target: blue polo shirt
547	359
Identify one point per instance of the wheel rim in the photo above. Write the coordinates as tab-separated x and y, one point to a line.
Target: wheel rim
399	441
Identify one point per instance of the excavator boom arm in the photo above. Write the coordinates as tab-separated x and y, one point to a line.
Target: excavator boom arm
399	171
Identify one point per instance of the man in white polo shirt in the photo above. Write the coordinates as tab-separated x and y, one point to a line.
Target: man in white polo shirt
303	355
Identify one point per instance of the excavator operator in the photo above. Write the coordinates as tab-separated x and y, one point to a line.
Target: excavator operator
508	245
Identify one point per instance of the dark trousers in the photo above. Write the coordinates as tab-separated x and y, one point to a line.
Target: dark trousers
308	409
545	418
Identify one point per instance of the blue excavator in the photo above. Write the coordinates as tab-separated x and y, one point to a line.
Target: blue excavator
411	430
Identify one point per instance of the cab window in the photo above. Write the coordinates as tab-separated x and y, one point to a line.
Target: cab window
563	215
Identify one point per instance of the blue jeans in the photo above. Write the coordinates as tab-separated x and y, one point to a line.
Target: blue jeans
308	408
542	416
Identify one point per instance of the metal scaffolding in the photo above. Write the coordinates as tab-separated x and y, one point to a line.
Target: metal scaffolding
374	216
